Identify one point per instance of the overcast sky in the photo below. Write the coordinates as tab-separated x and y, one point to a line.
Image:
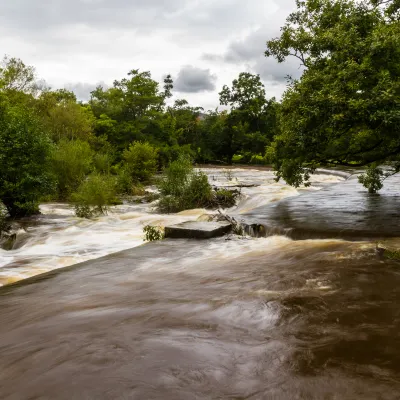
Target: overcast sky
203	44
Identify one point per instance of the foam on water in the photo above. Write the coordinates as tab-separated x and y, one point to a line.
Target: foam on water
60	239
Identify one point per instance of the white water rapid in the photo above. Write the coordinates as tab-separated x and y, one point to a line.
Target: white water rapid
58	239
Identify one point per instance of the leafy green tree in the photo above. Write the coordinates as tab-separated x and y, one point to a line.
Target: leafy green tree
63	117
345	108
71	161
251	124
24	151
15	76
132	103
141	161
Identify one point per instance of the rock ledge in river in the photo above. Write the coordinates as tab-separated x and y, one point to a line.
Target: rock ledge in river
197	230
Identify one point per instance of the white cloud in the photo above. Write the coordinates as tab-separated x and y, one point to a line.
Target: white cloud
83	42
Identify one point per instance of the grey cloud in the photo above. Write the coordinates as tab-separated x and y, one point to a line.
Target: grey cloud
249	52
43	15
197	19
82	90
194	80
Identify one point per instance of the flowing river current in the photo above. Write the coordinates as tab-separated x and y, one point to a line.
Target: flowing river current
57	239
227	318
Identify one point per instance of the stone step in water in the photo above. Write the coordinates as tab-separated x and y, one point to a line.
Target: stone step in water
197	230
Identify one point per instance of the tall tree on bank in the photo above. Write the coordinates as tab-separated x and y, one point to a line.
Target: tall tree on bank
132	102
345	109
24	154
251	124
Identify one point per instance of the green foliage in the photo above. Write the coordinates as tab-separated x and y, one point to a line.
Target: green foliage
71	161
63	117
141	161
251	124
153	233
372	179
102	162
345	108
182	188
15	76
94	195
392	254
124	180
24	151
225	198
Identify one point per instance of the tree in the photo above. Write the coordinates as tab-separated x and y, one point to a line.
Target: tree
249	126
141	161
71	161
16	76
24	151
63	117
132	103
345	108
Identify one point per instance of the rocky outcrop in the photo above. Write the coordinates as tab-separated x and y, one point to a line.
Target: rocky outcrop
197	230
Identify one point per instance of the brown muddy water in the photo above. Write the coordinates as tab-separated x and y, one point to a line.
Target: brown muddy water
245	318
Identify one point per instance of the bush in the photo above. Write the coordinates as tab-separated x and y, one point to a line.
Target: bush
102	162
152	233
138	190
181	188
94	195
225	198
141	161
124	180
372	179
72	161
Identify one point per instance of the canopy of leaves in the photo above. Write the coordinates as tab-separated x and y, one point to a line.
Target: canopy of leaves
345	109
24	152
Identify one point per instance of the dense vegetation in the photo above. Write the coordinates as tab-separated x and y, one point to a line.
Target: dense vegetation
343	111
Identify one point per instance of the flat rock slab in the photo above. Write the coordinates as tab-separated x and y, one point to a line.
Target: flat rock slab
197	230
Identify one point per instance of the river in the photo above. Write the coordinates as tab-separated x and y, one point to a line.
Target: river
228	318
58	239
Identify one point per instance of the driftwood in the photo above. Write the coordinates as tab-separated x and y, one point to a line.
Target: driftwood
237	228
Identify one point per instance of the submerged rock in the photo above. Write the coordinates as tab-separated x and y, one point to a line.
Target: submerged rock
197	230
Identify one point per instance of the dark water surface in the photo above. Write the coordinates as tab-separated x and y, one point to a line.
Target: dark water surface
267	318
344	210
282	320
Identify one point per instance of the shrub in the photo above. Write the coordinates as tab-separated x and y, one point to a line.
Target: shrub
72	161
141	161
124	180
94	195
102	162
198	192
225	198
152	233
176	177
372	179
138	190
181	188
